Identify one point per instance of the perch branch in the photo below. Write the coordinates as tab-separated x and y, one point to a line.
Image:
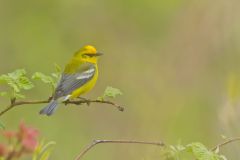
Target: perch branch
15	103
230	140
95	142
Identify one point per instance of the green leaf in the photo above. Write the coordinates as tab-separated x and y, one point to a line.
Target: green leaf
111	92
46	155
10	81
38	150
44	78
17	74
55	75
201	152
48	145
25	83
58	72
46	150
43	151
18	81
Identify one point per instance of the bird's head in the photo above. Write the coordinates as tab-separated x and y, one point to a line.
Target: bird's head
88	54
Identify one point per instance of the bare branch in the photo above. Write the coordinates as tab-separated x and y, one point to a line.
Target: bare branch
15	103
95	142
230	140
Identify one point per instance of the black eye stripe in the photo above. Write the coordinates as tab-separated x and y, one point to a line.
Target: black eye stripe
90	55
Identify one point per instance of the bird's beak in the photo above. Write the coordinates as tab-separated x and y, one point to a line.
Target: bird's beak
94	55
98	54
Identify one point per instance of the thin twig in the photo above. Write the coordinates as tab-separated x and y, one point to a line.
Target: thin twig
88	101
230	140
15	103
95	142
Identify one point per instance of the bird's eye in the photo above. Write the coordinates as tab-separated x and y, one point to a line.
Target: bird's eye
88	55
84	56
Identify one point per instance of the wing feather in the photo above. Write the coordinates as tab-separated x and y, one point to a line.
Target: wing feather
70	82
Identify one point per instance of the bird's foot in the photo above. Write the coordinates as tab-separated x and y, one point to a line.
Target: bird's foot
87	101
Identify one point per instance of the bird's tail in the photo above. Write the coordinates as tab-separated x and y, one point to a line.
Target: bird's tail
50	108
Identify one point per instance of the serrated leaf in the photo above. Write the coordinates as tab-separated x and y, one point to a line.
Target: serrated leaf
111	92
10	81
14	86
25	83
17	73
17	80
200	152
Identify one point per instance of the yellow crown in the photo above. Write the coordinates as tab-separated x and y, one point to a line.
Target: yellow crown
89	49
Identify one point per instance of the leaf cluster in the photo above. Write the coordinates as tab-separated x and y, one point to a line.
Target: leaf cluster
195	150
18	81
43	150
110	92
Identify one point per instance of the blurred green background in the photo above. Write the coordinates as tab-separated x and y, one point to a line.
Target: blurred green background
176	61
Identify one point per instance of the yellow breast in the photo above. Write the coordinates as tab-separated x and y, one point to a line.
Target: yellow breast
86	87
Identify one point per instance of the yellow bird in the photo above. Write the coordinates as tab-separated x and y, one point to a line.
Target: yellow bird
79	76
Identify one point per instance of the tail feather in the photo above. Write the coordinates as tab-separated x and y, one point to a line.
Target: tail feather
50	108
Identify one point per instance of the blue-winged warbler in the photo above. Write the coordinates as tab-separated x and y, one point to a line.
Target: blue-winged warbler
78	77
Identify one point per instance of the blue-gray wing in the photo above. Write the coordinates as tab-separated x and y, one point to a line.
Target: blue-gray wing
70	82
